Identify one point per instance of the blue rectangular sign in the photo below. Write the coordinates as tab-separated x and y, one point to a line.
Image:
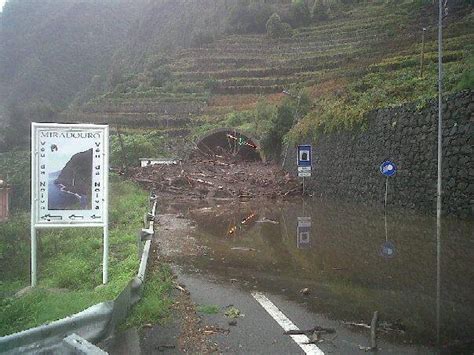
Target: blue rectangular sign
304	155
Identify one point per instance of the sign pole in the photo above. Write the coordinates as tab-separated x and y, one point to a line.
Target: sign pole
33	261
105	265
385	209
34	277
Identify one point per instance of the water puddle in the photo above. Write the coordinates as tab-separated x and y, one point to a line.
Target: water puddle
346	261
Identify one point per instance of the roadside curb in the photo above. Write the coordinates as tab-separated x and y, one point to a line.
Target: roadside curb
92	324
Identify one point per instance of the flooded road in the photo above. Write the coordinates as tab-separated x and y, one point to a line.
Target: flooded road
342	261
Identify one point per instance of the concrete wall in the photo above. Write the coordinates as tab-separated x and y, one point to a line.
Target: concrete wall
346	163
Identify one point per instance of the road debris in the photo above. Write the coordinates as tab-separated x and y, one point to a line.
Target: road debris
305	291
242	249
266	220
233	312
353	324
205	177
309	332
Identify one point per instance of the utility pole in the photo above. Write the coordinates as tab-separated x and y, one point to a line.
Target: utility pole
441	5
422	60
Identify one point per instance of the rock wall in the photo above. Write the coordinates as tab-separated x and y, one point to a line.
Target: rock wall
346	163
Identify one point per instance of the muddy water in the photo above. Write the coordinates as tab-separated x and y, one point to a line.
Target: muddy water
351	260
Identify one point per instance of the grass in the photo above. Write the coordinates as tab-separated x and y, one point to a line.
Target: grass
208	308
69	263
395	82
155	305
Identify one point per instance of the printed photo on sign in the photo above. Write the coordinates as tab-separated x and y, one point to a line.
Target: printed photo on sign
304	155
70	182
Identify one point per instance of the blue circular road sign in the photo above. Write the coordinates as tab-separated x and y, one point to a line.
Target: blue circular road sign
388	168
388	250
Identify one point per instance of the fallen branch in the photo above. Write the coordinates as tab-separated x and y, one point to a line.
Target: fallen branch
353	324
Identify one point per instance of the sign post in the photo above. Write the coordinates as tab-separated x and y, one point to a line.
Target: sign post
304	162
69	181
387	169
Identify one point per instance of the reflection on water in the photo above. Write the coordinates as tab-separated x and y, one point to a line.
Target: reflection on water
351	260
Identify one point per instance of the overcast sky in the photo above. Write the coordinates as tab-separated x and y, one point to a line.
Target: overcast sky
2	2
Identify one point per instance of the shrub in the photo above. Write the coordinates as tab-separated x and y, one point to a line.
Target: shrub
276	28
15	169
211	84
300	13
467	77
319	11
201	37
161	76
135	147
250	18
280	125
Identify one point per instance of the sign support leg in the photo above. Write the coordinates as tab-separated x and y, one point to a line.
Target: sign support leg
303	186
105	263
385	209
34	277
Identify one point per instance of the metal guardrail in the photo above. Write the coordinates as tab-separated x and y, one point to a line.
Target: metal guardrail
93	324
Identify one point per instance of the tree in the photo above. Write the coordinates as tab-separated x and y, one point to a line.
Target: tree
17	131
320	10
300	13
280	125
276	28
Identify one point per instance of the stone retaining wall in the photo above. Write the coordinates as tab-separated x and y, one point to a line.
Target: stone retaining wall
346	163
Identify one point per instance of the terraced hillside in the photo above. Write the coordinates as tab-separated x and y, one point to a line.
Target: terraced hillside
368	57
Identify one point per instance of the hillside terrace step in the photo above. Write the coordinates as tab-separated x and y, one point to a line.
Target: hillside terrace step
143	107
277	61
265	59
131	119
279	71
235	90
351	22
266	81
253	51
279	46
333	38
290	45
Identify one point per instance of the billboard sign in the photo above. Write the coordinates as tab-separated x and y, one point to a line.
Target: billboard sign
69	175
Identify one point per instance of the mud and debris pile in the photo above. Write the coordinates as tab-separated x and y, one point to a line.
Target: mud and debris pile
217	177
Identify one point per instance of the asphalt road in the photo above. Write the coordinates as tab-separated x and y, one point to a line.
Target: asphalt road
257	332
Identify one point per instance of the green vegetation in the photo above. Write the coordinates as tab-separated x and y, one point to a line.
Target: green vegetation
155	305
276	28
15	170
282	121
207	64
392	82
69	263
208	308
135	146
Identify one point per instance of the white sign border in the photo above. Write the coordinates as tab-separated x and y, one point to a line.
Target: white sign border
35	166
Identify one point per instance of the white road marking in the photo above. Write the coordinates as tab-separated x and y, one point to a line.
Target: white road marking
300	339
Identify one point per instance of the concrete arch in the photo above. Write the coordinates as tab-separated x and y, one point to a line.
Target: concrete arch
217	140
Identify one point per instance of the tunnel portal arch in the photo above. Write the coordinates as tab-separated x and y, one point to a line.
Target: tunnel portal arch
231	141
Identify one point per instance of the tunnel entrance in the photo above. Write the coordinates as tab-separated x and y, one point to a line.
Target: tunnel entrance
228	141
